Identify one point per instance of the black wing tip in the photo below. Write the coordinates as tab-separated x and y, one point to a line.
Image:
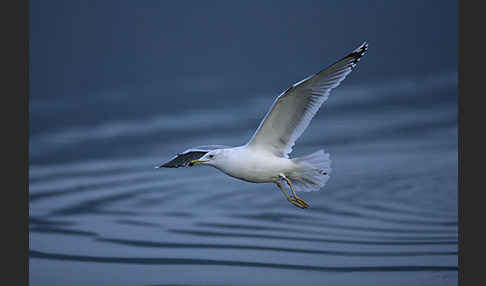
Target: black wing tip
358	53
170	165
167	164
182	159
162	166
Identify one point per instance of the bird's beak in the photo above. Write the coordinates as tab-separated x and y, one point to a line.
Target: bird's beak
196	162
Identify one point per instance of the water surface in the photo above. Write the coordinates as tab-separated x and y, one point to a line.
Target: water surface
100	214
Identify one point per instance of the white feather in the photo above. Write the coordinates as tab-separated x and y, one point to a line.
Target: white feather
292	111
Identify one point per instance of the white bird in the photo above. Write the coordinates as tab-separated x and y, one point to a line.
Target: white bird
264	158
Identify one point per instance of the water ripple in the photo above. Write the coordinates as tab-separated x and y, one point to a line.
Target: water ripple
390	205
188	261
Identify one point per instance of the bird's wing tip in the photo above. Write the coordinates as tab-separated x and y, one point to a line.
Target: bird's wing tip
361	49
358	53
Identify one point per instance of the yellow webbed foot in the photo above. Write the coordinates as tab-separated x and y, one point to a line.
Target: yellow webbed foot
298	202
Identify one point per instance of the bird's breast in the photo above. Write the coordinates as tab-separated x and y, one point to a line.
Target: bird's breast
256	168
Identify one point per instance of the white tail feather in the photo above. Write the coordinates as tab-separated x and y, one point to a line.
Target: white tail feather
312	173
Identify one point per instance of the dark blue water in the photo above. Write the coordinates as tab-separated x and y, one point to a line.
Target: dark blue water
101	214
118	89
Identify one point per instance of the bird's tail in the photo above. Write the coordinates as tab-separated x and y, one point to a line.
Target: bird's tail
312	172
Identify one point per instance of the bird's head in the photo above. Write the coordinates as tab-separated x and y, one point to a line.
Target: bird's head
211	158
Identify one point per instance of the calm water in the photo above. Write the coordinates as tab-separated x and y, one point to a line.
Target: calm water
100	214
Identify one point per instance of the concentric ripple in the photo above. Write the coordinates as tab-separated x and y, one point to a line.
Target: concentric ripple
388	213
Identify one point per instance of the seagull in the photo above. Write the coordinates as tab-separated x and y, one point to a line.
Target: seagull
265	157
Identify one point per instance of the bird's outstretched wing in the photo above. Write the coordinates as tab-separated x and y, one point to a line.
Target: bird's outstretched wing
293	110
184	158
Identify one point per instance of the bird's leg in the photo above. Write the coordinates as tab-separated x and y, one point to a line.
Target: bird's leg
283	190
297	198
289	198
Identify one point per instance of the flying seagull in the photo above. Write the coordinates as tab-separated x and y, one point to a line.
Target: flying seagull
265	157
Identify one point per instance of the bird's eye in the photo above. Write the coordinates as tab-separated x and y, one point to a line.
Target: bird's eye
211	156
